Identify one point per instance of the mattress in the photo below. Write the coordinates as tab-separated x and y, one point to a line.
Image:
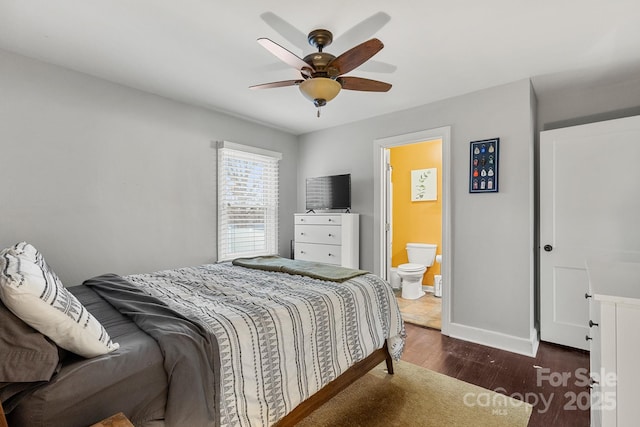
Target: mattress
131	380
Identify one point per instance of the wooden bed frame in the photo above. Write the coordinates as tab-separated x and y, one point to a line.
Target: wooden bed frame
3	420
336	386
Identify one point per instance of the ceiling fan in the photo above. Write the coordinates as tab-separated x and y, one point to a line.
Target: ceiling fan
322	74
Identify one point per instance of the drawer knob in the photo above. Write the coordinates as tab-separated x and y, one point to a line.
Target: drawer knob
301	252
591	324
330	235
302	234
586	295
330	220
330	254
587	337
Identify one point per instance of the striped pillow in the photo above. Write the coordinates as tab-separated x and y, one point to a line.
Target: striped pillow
34	293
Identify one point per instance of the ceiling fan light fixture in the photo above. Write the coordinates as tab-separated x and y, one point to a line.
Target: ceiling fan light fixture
320	90
321	72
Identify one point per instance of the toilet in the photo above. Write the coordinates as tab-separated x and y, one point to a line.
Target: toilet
421	256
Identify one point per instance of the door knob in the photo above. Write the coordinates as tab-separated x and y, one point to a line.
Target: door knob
548	248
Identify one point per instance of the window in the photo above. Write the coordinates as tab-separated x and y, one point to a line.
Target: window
247	201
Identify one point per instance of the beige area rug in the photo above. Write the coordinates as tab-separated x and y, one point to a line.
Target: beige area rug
424	311
417	397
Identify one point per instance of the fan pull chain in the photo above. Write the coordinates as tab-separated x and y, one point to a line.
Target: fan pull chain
318	112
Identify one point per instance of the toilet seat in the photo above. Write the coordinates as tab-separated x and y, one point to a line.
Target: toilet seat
410	267
411	275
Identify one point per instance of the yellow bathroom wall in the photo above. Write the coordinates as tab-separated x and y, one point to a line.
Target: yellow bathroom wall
419	222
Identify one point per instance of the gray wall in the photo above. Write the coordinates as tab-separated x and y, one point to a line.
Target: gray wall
579	104
103	178
492	285
495	264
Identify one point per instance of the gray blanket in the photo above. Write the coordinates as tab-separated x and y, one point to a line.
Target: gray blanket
190	353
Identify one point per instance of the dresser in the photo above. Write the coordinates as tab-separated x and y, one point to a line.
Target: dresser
331	238
614	339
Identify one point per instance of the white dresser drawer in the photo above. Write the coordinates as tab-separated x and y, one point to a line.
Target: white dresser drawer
318	219
329	254
326	234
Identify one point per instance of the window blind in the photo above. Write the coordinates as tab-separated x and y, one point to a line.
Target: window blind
247	201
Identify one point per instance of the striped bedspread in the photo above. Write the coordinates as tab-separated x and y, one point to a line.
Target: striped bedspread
281	337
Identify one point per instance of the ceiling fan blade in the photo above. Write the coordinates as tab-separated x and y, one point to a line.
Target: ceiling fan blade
356	56
286	56
286	30
366	85
361	31
277	84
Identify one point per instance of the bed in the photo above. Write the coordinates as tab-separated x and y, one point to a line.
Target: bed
216	345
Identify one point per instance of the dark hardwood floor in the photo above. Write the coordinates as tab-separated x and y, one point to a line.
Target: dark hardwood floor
555	381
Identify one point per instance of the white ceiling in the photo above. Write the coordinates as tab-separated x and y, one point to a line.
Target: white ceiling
204	52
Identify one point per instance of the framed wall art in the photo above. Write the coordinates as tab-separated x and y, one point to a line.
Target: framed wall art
424	185
483	166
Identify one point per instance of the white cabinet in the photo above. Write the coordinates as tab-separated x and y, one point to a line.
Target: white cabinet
615	341
331	238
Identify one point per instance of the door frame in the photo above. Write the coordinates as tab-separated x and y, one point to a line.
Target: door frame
380	238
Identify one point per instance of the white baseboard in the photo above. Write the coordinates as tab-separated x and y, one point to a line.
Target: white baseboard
427	288
526	347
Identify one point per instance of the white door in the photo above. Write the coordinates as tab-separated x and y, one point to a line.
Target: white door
589	204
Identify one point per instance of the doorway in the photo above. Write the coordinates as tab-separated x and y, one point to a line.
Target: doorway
383	213
414	180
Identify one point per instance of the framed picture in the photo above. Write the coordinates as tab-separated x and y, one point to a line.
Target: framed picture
483	166
424	185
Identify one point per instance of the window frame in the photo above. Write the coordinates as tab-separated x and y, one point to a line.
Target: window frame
242	243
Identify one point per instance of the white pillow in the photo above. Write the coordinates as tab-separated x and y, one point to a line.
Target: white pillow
34	293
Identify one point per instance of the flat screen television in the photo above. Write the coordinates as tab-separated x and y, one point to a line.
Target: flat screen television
328	192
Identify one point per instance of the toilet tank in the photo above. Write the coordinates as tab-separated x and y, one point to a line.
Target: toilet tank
421	253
